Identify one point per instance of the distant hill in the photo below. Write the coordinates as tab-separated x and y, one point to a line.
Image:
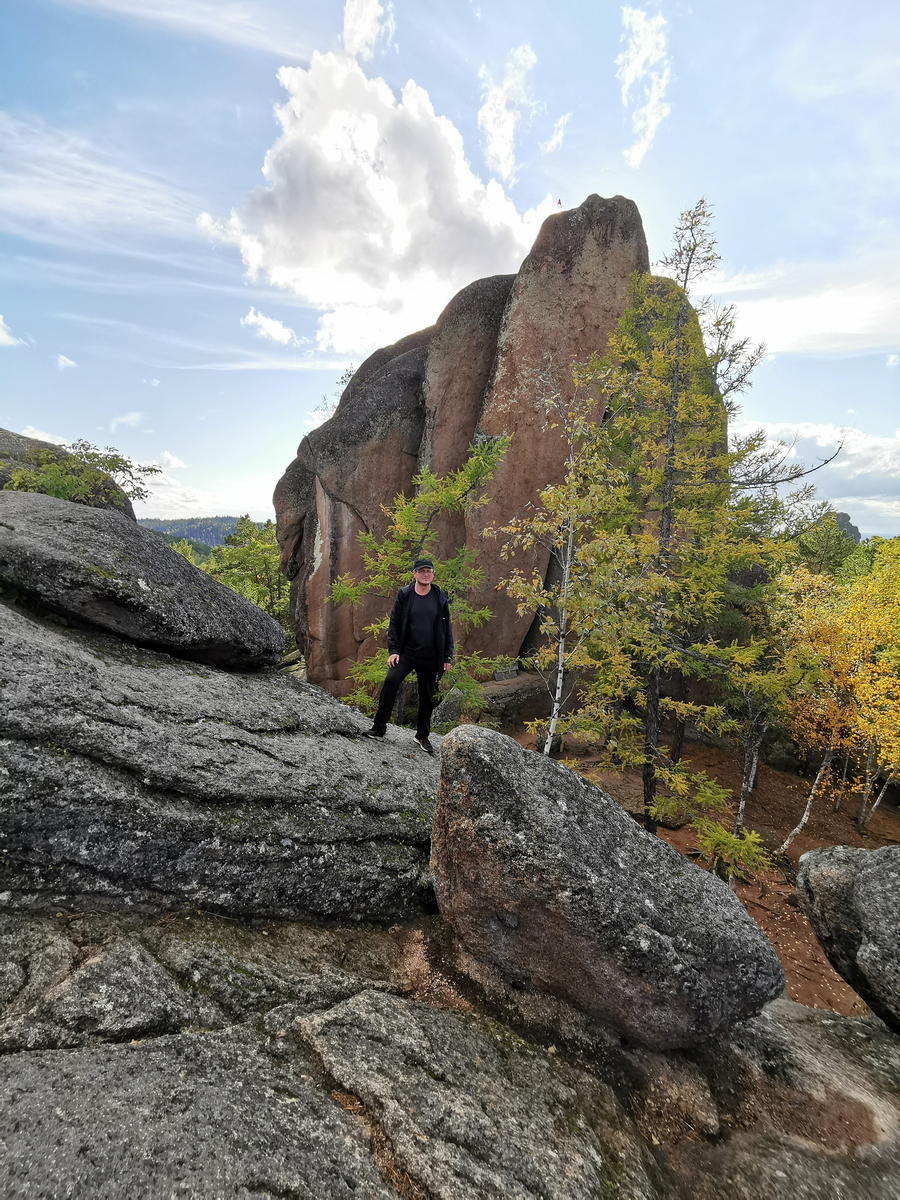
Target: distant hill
846	525
211	531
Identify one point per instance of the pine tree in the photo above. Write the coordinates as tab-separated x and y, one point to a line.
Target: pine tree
413	532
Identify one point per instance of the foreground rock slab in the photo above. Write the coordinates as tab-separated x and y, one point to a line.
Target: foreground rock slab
852	900
472	1110
189	1055
99	567
547	879
133	780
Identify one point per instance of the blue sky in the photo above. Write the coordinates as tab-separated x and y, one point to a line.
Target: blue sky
208	208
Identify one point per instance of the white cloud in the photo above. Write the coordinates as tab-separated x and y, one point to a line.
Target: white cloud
819	307
893	360
6	335
57	186
154	383
169	462
269	327
644	67
363	26
866	473
556	137
42	436
264	24
169	498
371	213
501	110
63	363
130	419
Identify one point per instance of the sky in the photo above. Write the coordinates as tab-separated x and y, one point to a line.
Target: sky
210	208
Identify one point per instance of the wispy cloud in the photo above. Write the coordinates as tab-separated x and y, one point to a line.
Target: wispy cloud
269	364
501	110
270	25
130	419
6	335
556	137
365	23
63	363
830	307
56	186
893	360
644	69
269	327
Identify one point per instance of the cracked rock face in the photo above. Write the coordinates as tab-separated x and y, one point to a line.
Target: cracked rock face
852	900
544	877
191	1055
100	568
133	780
472	1110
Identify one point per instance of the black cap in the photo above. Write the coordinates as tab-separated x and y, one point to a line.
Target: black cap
422	562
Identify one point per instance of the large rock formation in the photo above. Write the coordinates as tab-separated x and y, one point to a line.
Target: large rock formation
852	900
422	401
544	877
99	568
131	779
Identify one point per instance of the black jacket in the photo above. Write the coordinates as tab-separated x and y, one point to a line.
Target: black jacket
399	623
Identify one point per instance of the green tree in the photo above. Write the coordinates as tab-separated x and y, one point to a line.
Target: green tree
413	529
248	564
655	517
83	474
824	547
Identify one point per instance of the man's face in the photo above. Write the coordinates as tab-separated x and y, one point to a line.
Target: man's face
424	574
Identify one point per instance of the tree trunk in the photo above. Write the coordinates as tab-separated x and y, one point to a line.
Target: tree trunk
677	749
751	762
887	784
860	817
561	648
826	764
651	739
840	795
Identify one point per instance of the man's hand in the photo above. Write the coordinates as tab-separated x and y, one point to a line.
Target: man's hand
446	666
393	659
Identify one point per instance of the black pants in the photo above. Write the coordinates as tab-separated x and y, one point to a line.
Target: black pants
426	670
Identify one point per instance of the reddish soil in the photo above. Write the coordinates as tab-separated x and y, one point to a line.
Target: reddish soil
773	811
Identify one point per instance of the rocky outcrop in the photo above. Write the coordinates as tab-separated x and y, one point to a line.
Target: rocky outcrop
131	779
100	569
852	900
203	1056
344	471
17	451
544	877
422	402
569	293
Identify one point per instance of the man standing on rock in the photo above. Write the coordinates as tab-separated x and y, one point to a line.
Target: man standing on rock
419	639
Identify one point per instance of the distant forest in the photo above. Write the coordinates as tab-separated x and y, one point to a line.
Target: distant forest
209	531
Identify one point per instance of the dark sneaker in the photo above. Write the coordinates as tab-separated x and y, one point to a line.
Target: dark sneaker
424	744
374	733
